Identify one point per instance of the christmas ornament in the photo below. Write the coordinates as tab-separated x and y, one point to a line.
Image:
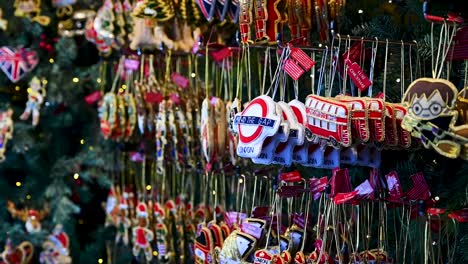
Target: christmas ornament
16	63
22	254
56	249
31	217
122	222
32	10
431	115
3	22
6	131
36	95
142	236
62	3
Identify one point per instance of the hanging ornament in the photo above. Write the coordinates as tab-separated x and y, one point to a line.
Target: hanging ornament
32	10
3	22
16	63
6	131
31	217
55	250
22	254
142	236
36	95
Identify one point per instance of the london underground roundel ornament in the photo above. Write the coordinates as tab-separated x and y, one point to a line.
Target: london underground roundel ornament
255	123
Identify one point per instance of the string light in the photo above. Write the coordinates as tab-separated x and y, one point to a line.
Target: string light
100	261
82	141
241	181
28	197
98	80
124	86
75	79
437	198
155	253
44	81
121	90
360	11
17	88
398	80
91	148
51	61
76	176
18	184
148	187
214	192
193	75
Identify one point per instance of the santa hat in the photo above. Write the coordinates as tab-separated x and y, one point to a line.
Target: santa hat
158	210
33	214
61	241
142	210
123	203
171	206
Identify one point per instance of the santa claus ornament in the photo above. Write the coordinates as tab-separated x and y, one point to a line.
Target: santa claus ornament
142	235
56	248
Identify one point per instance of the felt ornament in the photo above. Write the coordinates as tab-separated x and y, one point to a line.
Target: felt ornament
359	117
142	236
204	245
3	22
21	254
32	10
16	63
315	154
143	34
207	129
6	131
403	136
237	248
231	134
270	144
31	217
329	120
36	95
258	121
161	232
376	114
300	151
391	131
56	248
284	151
122	222
245	20
349	155
432	114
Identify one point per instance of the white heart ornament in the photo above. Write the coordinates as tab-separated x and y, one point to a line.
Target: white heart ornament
315	154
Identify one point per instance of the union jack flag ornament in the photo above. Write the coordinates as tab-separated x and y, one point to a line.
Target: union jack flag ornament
16	63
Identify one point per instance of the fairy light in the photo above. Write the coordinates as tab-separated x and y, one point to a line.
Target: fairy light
91	148
193	75
214	192
241	181
155	253
121	90
45	82
398	80
124	86
100	261
98	80
360	11
437	198
28	197
390	1
17	88
82	141
76	176
18	184
29	90
75	79
148	187
51	61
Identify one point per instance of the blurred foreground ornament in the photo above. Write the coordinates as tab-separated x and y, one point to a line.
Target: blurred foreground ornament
36	94
6	131
56	248
3	22
22	254
32	10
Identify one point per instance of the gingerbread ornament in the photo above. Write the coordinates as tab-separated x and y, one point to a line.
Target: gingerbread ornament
142	235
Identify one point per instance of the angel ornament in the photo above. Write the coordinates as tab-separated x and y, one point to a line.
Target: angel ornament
36	95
